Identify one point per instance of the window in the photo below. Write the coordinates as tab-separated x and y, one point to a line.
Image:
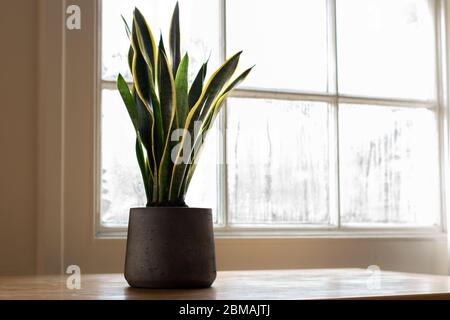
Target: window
338	126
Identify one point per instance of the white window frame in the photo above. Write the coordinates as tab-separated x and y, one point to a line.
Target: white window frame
223	228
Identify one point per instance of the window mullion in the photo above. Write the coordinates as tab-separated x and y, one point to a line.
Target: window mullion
273	94
333	90
441	39
222	193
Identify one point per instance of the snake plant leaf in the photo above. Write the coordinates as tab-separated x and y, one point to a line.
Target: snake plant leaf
161	45
128	100
167	92
143	77
130	50
144	84
140	120
212	112
130	58
158	130
210	92
209	121
197	86
181	84
174	39
167	96
145	39
127	27
214	86
197	113
133	45
212	89
147	176
145	124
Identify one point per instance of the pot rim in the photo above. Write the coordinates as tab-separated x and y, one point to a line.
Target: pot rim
173	208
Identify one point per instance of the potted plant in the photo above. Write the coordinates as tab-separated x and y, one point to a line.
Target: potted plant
170	244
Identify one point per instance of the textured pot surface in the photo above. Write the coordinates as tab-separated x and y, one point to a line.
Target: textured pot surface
170	247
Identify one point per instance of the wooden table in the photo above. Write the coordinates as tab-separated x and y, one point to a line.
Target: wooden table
276	284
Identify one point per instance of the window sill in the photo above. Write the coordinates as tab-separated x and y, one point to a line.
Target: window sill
306	233
345	233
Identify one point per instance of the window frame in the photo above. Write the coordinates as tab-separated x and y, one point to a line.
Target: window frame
334	99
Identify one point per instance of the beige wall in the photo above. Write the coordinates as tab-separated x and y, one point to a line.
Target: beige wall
18	130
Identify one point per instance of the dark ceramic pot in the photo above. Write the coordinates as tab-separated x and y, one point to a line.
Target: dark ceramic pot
169	247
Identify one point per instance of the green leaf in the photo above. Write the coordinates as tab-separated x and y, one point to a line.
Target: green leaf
145	124
167	95
141	79
128	100
181	84
143	82
127	28
130	58
214	86
197	113
130	50
140	117
145	39
166	89
149	94
197	86
174	38
159	131
147	176
142	74
161	47
207	125
211	90
212	112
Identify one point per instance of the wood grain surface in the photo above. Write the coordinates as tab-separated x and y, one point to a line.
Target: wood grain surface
271	284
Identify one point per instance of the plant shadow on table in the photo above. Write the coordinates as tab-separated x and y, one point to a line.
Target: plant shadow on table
171	294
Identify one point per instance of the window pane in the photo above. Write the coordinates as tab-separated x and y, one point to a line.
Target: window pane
278	161
286	39
121	185
386	48
199	31
202	190
121	182
389	165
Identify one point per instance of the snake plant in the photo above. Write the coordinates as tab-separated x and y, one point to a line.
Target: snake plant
160	101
